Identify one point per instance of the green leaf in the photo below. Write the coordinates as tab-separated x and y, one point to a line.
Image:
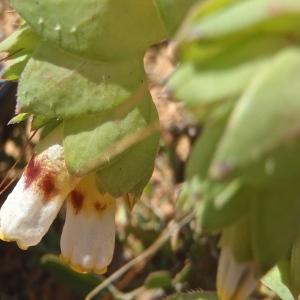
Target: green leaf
56	84
189	197
294	268
79	283
51	134
194	296
19	118
217	204
275	225
94	140
39	121
182	276
15	67
210	75
172	12
207	7
277	280
223	203
197	87
131	170
120	146
158	279
253	43
95	29
248	17
260	144
238	237
23	40
197	167
204	148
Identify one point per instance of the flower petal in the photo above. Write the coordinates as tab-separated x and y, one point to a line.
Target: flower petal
33	204
235	281
88	237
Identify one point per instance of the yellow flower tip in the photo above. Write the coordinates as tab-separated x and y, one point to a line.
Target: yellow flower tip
74	267
79	269
2	237
235	280
100	271
63	259
21	246
222	294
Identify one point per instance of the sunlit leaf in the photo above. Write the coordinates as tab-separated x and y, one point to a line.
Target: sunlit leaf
197	87
261	142
194	296
19	118
248	17
278	280
20	42
96	29
158	279
15	67
172	12
56	84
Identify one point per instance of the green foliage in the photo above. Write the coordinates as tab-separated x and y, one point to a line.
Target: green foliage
278	281
115	145
158	279
19	47
18	118
243	173
82	76
239	19
294	269
194	296
98	29
274	214
81	284
85	75
172	12
61	85
200	87
270	104
19	42
94	87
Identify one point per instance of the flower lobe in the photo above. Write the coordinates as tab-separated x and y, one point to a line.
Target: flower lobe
77	200
33	170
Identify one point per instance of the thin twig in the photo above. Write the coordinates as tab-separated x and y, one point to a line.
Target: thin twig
146	255
9	184
12	167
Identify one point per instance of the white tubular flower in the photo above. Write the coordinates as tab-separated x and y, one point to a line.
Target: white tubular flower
88	238
235	281
31	207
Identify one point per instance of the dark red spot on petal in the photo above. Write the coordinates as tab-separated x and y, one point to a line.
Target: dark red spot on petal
47	185
32	171
77	200
99	206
